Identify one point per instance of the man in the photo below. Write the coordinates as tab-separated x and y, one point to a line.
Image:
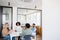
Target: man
33	30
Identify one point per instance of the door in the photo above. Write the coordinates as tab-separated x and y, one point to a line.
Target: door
5	16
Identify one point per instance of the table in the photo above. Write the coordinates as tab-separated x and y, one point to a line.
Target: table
14	34
33	34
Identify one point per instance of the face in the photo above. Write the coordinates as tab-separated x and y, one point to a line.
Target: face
33	25
6	25
17	25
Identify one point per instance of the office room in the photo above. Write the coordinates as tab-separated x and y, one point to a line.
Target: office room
50	18
23	14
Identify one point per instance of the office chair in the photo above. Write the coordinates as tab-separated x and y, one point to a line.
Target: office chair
27	37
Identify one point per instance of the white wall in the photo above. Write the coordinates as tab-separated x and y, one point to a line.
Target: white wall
19	3
51	19
14	16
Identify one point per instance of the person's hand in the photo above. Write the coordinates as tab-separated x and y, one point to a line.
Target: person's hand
11	31
15	30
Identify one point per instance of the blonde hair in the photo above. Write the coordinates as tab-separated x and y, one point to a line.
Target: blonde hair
5	24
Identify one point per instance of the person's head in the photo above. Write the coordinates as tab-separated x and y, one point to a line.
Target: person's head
18	23
27	25
33	24
6	25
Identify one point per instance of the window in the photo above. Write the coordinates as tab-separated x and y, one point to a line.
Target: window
7	16
29	16
21	19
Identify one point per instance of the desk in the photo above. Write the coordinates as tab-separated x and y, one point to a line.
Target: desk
14	34
33	34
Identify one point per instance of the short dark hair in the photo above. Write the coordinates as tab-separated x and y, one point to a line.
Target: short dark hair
18	23
27	25
33	23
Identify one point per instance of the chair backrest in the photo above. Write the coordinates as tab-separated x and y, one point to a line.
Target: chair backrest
27	37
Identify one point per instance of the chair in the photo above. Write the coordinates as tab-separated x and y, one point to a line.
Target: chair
27	37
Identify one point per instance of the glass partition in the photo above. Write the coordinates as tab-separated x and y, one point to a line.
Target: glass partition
29	16
6	16
21	18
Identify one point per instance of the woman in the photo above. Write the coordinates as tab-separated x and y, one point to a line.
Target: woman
6	33
18	29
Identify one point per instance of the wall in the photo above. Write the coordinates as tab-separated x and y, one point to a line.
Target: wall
18	3
14	16
51	19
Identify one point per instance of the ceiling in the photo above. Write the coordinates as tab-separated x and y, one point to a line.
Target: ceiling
23	3
26	0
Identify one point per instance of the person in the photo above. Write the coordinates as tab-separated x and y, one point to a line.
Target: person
27	30
33	30
18	29
5	32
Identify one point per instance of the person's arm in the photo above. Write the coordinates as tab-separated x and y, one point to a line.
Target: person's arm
15	29
35	29
5	32
11	31
23	33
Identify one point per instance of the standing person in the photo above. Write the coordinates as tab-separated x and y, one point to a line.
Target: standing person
5	32
18	29
33	30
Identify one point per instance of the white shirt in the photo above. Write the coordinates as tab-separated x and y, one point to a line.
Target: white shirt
18	29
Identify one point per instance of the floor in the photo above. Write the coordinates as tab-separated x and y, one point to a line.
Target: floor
37	38
1	39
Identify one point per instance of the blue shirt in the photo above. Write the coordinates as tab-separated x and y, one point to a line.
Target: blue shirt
34	30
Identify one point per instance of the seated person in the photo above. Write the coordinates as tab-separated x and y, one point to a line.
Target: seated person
27	30
5	32
33	30
18	28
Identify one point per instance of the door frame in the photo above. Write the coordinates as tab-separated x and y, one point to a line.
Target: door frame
11	14
1	17
31	9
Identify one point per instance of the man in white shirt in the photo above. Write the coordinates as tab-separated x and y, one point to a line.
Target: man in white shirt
18	29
